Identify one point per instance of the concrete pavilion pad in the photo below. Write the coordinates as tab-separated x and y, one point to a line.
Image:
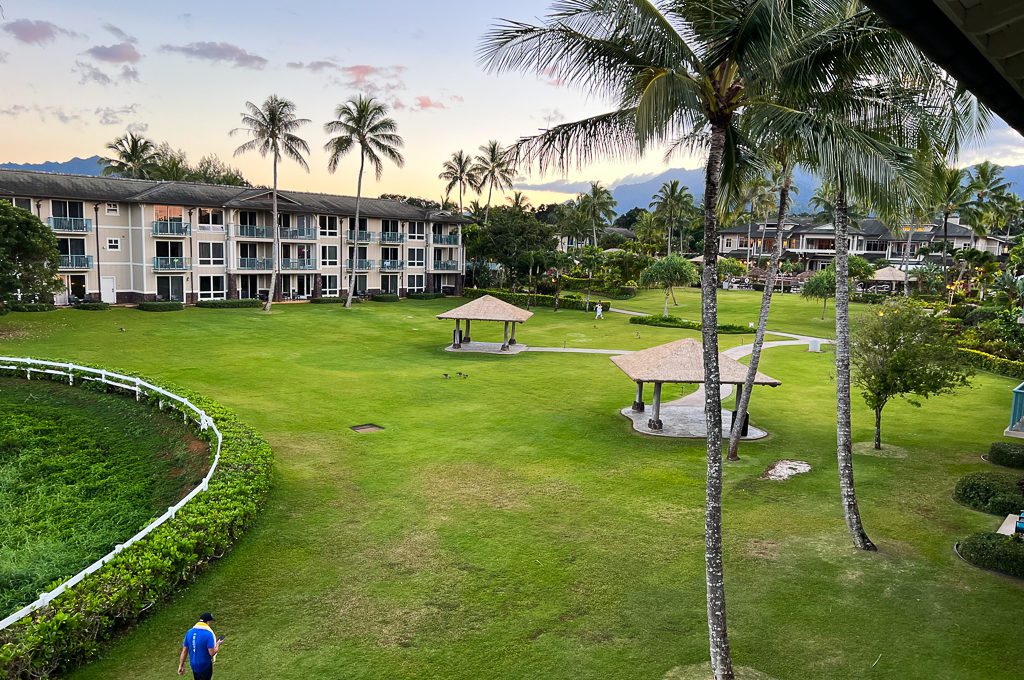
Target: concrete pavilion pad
486	348
680	420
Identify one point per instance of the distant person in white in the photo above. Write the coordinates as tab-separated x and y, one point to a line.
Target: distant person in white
600	311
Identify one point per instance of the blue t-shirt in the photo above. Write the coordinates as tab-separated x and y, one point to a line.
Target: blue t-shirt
199	641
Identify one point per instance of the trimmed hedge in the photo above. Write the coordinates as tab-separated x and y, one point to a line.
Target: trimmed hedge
161	306
520	299
425	296
997	493
329	301
676	322
92	306
32	307
990	362
243	303
72	628
869	298
995	551
1007	454
385	297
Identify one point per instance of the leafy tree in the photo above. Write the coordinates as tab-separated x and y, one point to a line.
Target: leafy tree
213	170
459	171
28	256
629	218
511	236
902	351
590	258
669	272
493	169
821	286
598	206
730	267
134	157
362	122
271	130
571	221
648	233
627	266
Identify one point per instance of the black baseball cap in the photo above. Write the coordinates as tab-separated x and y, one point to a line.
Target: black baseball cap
206	617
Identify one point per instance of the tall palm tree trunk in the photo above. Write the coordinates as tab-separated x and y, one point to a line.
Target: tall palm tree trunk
945	248
487	210
844	451
276	271
355	249
762	319
906	260
718	636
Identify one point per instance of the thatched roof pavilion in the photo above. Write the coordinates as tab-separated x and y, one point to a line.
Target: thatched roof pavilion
486	308
681	361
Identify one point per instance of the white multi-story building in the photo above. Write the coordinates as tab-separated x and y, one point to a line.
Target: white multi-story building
126	240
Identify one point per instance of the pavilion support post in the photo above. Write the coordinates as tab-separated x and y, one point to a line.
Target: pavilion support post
504	347
456	341
655	422
638	403
466	339
512	340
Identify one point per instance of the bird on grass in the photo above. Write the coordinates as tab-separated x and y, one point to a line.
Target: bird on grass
445	376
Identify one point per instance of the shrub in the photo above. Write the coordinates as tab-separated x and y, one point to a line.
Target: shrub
519	299
161	306
959	311
996	493
980	314
244	303
1007	454
32	307
425	296
676	322
385	297
869	298
989	362
329	301
995	551
68	631
92	306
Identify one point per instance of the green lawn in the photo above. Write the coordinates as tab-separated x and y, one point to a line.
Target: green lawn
512	525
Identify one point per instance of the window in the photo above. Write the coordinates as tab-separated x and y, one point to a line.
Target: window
417	231
113	209
352	224
303	221
875	247
330	286
389	284
71	246
389	225
329	256
23	203
113	244
169	249
66	209
247	218
415	283
284	221
211	218
170	288
168	213
211	252
728	244
328	225
416	257
212	288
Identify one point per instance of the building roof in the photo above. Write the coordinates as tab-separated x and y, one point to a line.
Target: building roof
682	361
889	274
487	308
34	184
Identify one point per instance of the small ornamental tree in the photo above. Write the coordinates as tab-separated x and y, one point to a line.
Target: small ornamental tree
822	285
668	272
899	350
730	267
28	256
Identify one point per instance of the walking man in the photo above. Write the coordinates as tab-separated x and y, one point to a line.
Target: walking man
600	311
201	646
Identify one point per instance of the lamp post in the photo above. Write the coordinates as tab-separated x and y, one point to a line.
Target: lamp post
96	228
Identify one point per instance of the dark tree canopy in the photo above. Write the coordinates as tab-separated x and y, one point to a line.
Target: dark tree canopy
28	255
511	236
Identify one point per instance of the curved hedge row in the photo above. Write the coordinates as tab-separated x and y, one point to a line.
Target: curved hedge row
997	493
242	303
990	362
1007	454
676	322
72	628
995	551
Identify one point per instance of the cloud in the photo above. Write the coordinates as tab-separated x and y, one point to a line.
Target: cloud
218	52
3	56
1002	145
33	32
45	113
119	34
129	74
315	66
121	53
138	128
562	186
423	102
104	115
551	77
90	74
378	81
111	115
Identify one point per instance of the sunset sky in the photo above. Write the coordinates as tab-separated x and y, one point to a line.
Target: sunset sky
75	75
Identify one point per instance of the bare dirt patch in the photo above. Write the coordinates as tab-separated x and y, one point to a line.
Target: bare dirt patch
474	484
887	450
781	470
764	549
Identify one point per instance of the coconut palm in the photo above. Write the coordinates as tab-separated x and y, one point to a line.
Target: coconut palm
670	204
953	190
362	122
271	130
599	207
134	157
519	202
492	168
460	172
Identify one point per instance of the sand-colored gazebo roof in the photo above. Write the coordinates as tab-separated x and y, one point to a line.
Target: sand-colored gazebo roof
682	361
487	308
700	259
891	274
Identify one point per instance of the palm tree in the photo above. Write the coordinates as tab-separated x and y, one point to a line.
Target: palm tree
362	122
271	130
135	157
953	190
493	169
599	207
519	202
460	172
670	203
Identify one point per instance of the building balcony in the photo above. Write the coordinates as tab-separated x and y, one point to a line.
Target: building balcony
444	265
76	261
255	263
445	239
252	231
392	265
359	265
294	264
211	228
172	228
177	264
359	236
79	225
392	237
298	234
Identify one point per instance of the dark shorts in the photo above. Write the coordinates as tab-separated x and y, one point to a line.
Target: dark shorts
204	674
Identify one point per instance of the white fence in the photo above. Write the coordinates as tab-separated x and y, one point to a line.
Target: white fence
140	388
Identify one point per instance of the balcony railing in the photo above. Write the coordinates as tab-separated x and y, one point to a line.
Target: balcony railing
294	264
359	236
253	231
392	237
445	265
211	228
76	224
299	233
255	263
392	265
76	261
172	263
359	265
446	239
171	228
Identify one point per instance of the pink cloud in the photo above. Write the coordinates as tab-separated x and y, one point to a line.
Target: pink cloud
121	53
35	32
424	102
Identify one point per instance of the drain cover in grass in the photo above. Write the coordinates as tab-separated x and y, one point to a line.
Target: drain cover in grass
368	427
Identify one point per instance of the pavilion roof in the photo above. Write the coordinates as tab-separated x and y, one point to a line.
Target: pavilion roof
682	361
891	274
487	308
